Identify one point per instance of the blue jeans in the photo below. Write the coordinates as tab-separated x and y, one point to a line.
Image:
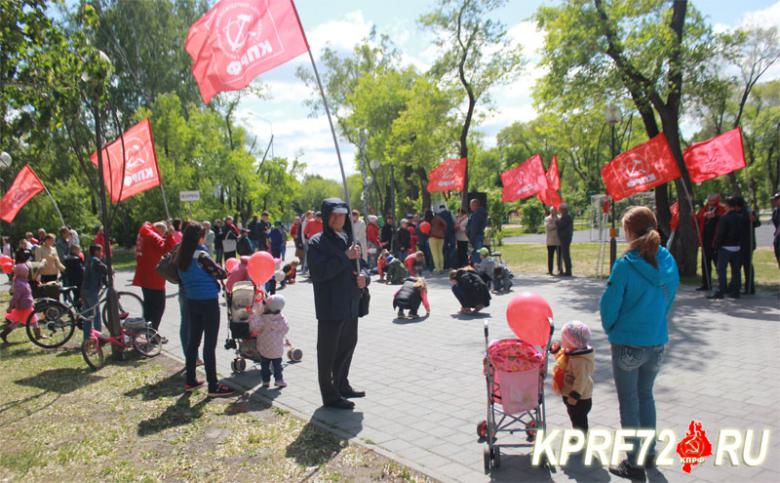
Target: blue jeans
184	328
265	369
91	300
726	258
634	369
477	243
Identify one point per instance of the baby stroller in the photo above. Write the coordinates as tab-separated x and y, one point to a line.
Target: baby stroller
502	278
515	371
239	304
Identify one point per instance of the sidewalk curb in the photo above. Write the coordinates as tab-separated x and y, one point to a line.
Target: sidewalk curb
324	426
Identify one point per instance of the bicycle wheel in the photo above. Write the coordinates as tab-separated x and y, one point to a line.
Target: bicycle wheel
56	323
146	342
130	305
92	351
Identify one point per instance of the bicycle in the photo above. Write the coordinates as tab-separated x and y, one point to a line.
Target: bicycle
133	332
58	321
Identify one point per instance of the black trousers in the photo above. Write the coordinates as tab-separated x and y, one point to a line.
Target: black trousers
552	250
463	253
336	341
749	272
204	321
153	305
566	255
708	260
578	413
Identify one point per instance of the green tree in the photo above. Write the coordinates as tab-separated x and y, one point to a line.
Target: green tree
477	52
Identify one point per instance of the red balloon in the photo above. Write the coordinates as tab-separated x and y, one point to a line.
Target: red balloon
6	259
425	228
261	267
528	316
7	267
230	264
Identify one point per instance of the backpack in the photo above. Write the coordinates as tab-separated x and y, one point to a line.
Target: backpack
166	267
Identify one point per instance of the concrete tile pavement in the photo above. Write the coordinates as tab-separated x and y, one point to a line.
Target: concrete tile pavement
426	392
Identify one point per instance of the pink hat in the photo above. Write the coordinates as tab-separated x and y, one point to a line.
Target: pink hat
575	335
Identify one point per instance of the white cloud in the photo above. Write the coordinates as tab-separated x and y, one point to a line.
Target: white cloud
766	18
530	37
340	34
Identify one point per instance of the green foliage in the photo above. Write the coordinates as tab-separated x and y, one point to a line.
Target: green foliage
533	215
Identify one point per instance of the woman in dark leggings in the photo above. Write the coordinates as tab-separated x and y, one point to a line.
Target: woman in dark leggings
199	274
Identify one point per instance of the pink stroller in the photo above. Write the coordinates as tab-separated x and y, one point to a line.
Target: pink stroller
514	371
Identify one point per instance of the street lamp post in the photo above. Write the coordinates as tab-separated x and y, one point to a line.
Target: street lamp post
612	115
362	135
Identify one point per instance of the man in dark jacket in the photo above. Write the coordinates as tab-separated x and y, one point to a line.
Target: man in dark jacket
728	241
565	227
388	234
449	236
475	228
707	220
333	257
749	224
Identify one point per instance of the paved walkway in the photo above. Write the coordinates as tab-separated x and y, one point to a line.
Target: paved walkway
426	392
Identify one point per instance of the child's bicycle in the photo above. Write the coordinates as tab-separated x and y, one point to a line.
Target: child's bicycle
133	332
57	320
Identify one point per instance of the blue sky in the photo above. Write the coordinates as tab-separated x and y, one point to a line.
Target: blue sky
342	23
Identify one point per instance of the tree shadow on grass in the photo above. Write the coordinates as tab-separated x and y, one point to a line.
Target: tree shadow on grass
181	413
61	380
316	444
168	387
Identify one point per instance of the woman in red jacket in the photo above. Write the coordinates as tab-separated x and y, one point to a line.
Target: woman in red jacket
152	243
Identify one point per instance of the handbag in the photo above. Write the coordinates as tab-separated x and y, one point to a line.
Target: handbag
365	300
167	266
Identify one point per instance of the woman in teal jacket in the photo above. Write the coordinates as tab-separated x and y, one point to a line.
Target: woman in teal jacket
634	311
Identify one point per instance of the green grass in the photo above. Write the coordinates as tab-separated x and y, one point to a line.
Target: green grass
123	259
532	258
131	422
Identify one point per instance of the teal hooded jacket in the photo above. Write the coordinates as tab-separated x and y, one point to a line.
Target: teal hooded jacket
636	303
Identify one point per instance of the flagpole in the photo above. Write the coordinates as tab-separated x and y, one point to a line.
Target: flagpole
165	202
704	266
56	207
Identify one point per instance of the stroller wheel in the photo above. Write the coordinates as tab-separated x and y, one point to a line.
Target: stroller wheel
487	459
482	429
496	457
238	365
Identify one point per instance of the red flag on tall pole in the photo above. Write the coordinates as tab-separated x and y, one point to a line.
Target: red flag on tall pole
449	175
715	157
237	40
524	180
641	168
132	170
24	188
552	175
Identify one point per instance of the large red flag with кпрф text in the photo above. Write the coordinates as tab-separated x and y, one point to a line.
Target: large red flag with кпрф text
237	40
641	168
24	188
524	180
715	157
132	170
449	175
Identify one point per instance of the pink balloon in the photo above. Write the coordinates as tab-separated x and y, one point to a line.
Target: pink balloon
230	264
261	267
277	262
527	315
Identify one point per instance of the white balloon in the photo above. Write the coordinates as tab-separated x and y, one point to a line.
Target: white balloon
279	276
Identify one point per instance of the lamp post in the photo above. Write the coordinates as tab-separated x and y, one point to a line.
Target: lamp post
362	135
612	116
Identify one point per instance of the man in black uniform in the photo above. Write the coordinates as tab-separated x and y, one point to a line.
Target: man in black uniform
337	291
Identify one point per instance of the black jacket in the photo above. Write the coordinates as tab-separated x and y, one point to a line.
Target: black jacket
748	231
476	224
388	231
565	227
730	230
403	240
336	294
475	290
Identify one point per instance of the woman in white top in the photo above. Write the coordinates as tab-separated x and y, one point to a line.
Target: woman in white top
553	242
461	237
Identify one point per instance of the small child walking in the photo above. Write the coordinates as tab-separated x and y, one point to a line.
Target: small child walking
21	305
270	326
573	371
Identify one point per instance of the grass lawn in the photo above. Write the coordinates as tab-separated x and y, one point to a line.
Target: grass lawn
131	422
123	259
532	258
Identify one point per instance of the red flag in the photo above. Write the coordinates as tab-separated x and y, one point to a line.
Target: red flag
715	157
674	209
24	188
449	175
140	166
524	180
550	197
553	178
237	40
641	168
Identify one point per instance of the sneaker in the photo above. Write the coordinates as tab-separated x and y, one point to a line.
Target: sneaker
266	384
192	387
280	383
628	471
401	314
703	289
199	362
221	391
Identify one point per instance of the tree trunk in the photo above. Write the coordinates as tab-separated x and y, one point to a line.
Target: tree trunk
426	196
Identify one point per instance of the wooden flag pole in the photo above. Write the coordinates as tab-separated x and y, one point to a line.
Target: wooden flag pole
56	207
